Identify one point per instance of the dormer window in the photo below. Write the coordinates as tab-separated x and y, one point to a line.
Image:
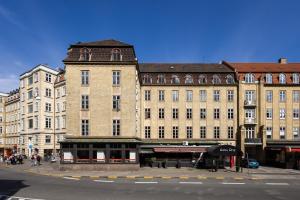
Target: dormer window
216	79
282	79
116	55
161	79
269	78
175	79
85	54
188	79
229	79
295	78
202	79
249	78
147	79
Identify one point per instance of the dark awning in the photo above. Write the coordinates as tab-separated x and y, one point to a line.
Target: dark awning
179	149
224	150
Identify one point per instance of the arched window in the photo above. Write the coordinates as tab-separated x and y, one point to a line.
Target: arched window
269	78
116	55
249	78
188	79
147	79
161	79
175	79
202	79
216	79
282	79
295	78
229	79
85	54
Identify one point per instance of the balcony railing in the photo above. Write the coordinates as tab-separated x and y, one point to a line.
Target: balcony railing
250	121
253	141
250	103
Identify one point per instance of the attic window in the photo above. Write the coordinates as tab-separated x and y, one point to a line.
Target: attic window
216	79
282	79
116	55
85	54
188	79
147	79
295	78
202	79
269	78
229	79
175	79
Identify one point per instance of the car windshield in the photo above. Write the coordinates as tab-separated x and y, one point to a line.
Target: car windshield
252	160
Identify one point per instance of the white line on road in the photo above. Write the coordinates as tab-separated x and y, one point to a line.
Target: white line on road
18	198
144	182
195	183
277	184
71	178
226	183
104	181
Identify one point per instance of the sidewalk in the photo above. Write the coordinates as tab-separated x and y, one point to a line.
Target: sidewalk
51	169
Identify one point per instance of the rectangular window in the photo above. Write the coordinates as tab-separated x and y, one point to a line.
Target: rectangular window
57	92
161	113
230	113
269	132
48	107
48	139
189	95
147	132
175	113
216	132
282	113
30	94
64	121
202	95
296	132
202	113
296	96
57	119
36	122
84	77
48	77
84	127
116	127
296	113
30	123
282	96
202	132
216	113
175	132
269	113
30	80
116	102
57	107
36	77
189	113
161	95
147	95
175	95
250	132
36	106
64	106
48	122
282	132
48	92
230	132
116	78
161	132
216	95
30	108
230	95
189	132
269	96
147	113
85	102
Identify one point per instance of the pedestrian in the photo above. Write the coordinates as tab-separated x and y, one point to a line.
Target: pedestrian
38	159
32	160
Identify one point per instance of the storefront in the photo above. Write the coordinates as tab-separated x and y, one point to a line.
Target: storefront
283	156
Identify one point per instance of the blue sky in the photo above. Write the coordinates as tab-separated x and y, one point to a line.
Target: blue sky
40	31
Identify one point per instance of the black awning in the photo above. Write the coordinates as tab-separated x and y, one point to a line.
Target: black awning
224	150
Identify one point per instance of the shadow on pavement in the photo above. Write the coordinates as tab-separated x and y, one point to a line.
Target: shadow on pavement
10	187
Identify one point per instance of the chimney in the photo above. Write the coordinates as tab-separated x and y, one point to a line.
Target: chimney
282	61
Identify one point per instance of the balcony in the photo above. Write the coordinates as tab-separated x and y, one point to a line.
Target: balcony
250	121
253	141
248	103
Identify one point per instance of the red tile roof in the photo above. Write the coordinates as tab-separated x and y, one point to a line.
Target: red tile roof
265	67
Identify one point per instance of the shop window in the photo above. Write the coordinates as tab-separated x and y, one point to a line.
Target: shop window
115	156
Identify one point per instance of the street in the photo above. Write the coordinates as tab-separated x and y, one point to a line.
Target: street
32	186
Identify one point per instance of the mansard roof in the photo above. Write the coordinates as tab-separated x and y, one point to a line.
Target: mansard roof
102	43
266	67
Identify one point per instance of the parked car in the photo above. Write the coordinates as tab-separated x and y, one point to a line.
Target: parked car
251	163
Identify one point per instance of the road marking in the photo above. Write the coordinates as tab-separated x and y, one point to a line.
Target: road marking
93	177
112	177
104	181
219	177
143	182
195	183
166	177
277	184
130	177
76	176
19	198
238	178
227	183
148	177
184	177
71	178
202	177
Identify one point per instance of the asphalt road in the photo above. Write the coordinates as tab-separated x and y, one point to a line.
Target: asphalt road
17	185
